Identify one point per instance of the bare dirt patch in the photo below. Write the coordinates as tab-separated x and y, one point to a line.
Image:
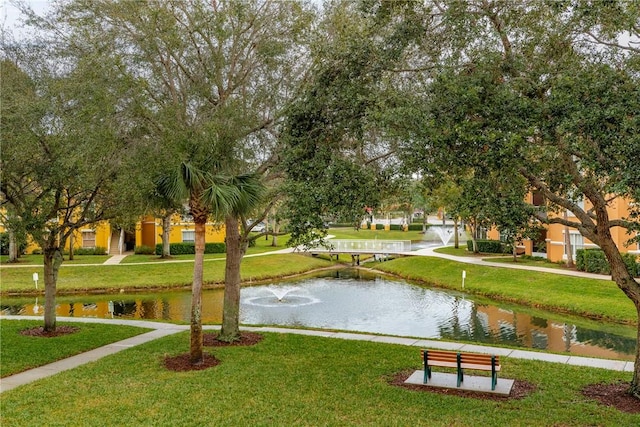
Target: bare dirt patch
519	390
246	338
614	395
39	331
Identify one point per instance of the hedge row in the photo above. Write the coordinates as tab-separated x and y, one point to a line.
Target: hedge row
594	261
190	248
489	246
90	251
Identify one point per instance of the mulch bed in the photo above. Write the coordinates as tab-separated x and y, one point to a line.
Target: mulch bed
246	338
519	390
38	331
182	362
613	395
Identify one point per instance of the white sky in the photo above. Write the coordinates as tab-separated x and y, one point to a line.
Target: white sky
10	17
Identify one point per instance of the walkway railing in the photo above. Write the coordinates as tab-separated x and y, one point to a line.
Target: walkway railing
363	247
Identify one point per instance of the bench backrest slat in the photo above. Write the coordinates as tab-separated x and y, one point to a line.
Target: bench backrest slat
450	356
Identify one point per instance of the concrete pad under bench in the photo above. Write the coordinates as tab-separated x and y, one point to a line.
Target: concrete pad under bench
470	383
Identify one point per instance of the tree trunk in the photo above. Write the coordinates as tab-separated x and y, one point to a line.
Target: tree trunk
166	230
276	229
621	276
231	309
567	244
474	230
13	247
71	243
456	239
195	347
52	262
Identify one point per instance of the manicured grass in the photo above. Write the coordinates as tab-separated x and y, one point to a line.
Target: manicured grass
38	259
19	353
156	275
586	297
462	251
526	261
296	380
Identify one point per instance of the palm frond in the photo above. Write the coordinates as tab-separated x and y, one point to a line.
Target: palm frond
251	191
220	196
171	186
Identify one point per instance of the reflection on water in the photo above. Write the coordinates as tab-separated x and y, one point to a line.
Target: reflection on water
355	301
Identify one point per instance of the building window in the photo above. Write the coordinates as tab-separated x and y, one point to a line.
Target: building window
88	239
538	199
577	242
188	236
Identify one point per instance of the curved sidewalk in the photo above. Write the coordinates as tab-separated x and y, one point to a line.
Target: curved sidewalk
164	329
480	261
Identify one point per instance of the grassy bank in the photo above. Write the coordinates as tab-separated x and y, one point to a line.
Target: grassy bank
296	380
585	297
19	352
155	275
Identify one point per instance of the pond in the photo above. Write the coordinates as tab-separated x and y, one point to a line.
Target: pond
354	300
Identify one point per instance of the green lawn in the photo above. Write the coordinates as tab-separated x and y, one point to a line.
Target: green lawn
156	275
600	299
19	352
296	380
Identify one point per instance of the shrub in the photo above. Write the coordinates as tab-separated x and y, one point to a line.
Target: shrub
98	250
416	226
489	246
580	262
190	248
145	250
594	261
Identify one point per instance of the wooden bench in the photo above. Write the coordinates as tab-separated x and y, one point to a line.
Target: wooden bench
460	361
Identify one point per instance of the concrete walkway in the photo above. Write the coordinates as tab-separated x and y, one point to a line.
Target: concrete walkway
160	330
480	261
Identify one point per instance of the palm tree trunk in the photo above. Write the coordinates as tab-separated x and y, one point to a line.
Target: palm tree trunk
231	311
195	348
166	229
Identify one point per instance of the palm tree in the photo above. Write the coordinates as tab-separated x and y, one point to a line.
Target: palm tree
208	194
250	193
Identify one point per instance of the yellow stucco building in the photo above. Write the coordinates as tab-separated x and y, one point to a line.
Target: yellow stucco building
553	242
148	232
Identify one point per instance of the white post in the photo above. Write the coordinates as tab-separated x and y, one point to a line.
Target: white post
464	276
35	279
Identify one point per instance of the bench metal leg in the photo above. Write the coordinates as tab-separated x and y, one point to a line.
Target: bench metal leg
494	374
460	373
427	368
